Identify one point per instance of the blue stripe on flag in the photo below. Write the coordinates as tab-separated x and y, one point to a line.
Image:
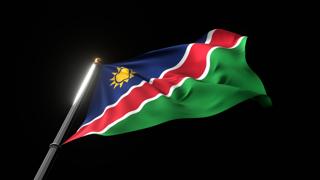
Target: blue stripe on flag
147	66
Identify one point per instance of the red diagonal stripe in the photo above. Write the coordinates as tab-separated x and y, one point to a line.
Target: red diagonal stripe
193	67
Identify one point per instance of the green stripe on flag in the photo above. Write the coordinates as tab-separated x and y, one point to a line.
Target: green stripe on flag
228	82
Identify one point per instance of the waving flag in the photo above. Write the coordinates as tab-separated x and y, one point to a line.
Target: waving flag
184	81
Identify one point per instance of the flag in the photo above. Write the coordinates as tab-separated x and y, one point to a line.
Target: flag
193	80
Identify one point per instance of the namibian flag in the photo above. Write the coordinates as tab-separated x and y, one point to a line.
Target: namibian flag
185	81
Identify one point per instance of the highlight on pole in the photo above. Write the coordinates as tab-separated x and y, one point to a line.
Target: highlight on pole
86	80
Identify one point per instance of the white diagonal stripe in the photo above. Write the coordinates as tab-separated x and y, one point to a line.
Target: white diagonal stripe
204	74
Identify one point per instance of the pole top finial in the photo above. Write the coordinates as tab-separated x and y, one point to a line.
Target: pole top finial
97	60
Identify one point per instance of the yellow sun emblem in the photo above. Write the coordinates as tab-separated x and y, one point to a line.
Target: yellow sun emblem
122	75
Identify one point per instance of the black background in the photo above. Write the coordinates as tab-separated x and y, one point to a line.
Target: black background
57	43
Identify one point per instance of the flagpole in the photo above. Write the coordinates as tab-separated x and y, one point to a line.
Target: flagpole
53	147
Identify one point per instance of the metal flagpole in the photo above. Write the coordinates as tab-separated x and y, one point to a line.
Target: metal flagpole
53	147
